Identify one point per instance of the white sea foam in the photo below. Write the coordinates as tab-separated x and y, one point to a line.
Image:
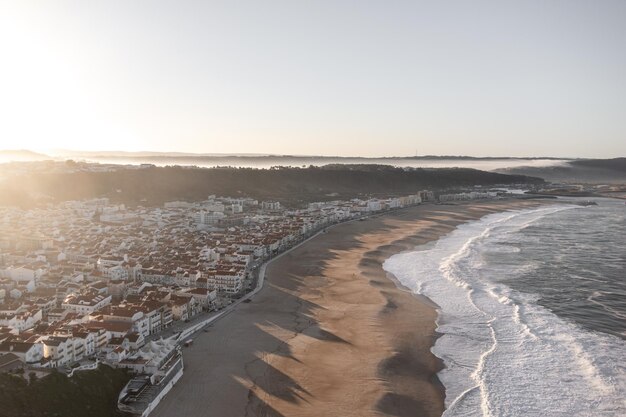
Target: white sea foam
504	354
593	298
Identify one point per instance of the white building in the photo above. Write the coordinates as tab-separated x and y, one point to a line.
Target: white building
21	321
374	205
30	353
227	281
139	320
21	274
177	204
208	217
85	304
205	298
59	350
214	206
474	195
270	205
150	358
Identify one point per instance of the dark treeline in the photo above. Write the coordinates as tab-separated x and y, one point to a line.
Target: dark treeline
156	185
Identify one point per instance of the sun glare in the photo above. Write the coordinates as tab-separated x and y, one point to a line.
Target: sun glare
47	99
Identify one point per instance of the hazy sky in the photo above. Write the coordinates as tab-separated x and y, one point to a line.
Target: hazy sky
368	78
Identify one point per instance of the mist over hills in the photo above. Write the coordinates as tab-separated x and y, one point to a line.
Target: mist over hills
205	157
21	155
155	185
151	154
257	160
610	171
181	176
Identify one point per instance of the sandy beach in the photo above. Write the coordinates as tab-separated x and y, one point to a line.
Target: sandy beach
330	334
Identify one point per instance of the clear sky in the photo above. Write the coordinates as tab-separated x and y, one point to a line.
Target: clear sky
366	78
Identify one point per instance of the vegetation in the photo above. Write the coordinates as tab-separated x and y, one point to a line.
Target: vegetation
87	393
155	185
616	164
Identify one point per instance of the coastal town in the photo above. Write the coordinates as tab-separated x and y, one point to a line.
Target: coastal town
89	282
98	281
312	209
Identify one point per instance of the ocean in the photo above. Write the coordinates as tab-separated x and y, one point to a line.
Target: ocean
532	310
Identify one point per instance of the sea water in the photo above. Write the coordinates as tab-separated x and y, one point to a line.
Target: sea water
532	310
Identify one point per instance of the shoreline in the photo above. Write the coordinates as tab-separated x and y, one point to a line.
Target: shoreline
331	332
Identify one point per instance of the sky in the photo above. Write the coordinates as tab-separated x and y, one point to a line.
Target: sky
346	78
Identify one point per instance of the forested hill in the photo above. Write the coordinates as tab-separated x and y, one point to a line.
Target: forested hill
592	171
615	164
156	185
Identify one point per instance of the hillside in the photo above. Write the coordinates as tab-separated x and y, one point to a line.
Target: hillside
289	185
592	171
615	164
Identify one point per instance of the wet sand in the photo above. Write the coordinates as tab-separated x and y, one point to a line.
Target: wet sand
330	334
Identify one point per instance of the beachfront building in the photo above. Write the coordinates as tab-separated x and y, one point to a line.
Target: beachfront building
204	297
150	358
473	195
426	195
223	280
184	307
410	200
374	205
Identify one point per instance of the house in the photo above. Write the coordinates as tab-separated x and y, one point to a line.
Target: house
205	298
135	340
21	321
117	355
184	308
58	350
87	338
128	314
86	303
105	331
150	358
57	314
270	205
28	352
10	362
227	279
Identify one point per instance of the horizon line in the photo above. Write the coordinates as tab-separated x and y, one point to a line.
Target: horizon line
66	153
